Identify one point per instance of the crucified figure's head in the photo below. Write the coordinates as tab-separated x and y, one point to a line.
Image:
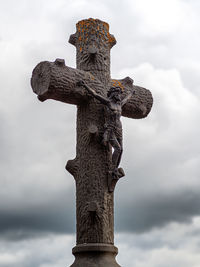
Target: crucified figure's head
114	93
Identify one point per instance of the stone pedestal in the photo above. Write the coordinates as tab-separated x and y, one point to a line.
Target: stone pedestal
95	255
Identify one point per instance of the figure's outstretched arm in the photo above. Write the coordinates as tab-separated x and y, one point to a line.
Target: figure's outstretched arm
126	98
102	99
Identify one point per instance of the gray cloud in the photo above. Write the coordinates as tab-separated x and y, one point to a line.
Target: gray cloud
43	251
158	47
143	214
57	215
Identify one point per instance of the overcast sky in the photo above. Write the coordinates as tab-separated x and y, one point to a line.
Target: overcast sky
157	204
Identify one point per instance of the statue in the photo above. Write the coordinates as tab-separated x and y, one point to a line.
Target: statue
113	126
100	101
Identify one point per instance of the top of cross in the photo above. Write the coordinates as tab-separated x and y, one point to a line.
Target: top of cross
92	29
93	43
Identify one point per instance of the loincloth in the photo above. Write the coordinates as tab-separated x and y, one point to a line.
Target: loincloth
113	131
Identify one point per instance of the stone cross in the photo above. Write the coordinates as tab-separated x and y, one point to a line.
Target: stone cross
93	169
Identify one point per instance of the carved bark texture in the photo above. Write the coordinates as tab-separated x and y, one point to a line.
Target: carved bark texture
91	179
54	80
93	45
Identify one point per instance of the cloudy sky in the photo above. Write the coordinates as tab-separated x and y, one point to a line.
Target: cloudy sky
157	204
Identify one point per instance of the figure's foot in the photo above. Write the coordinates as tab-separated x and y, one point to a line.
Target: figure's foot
113	177
115	174
121	173
118	173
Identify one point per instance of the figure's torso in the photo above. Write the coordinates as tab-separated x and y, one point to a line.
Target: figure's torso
113	115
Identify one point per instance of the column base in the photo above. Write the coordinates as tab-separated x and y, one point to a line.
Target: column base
95	255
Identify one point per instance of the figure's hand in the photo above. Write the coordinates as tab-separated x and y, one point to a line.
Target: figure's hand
133	92
143	108
80	83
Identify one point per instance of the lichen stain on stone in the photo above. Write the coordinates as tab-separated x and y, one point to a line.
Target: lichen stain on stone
116	83
94	27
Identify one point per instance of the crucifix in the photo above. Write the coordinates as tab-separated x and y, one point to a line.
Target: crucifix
100	103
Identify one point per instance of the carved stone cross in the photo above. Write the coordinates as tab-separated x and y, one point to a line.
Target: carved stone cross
93	166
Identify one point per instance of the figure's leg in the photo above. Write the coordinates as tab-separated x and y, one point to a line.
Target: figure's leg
121	150
116	156
105	138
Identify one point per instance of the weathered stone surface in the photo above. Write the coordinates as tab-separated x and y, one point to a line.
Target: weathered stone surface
51	80
95	255
93	162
